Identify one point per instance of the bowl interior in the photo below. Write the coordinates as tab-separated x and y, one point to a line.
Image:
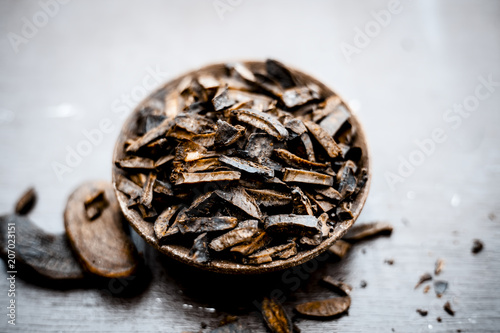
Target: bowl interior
181	253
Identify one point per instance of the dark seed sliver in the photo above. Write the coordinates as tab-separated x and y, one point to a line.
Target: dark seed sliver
421	312
325	308
448	309
26	202
276	318
477	246
424	278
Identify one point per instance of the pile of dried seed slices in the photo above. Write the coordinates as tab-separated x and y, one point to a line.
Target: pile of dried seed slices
247	166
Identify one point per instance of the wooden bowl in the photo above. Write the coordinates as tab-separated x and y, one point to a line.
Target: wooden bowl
181	253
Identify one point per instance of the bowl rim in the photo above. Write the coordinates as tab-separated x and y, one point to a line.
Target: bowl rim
180	253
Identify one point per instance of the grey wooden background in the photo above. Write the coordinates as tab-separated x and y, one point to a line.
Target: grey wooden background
78	67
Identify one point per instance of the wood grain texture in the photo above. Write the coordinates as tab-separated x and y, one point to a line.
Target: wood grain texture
72	75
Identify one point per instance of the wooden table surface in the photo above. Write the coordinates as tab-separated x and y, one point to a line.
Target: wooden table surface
418	79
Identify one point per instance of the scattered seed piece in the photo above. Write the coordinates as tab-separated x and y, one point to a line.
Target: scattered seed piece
439	266
102	245
423	313
424	278
26	202
275	316
440	287
363	284
439	319
325	308
340	248
448	309
340	287
389	261
362	231
477	246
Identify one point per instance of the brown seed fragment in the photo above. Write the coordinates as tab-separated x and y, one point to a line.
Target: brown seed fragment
448	309
232	238
302	205
102	245
340	248
153	134
247	166
295	161
270	198
338	286
308	177
136	163
222	100
194	123
325	308
279	73
163	187
334	121
421	312
206	224
439	266
276	318
325	139
203	177
47	254
147	191
279	251
308	146
238	197
477	246
263	121
362	231
228	134
95	204
426	289
128	187
256	243
163	221
199	251
303	225
296	96
424	278
329	192
26	202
